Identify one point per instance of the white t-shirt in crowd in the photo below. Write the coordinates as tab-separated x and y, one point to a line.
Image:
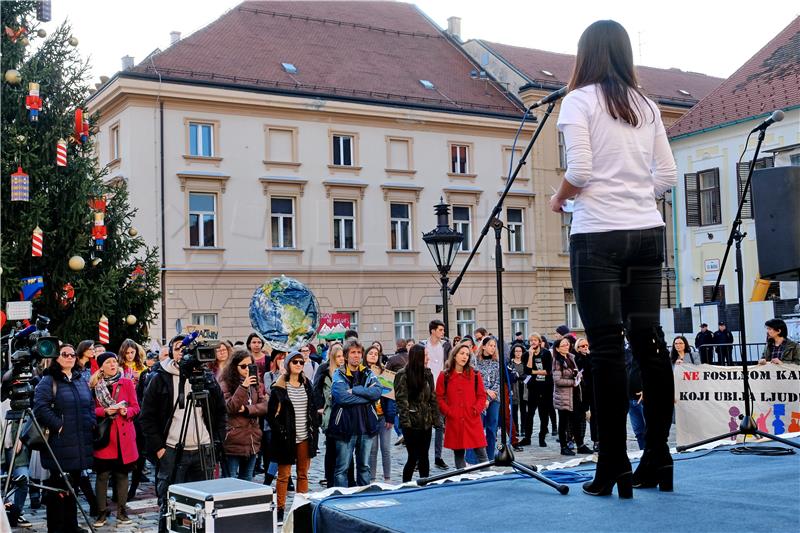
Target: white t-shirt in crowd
619	168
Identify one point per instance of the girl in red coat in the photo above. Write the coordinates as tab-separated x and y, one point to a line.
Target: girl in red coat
462	398
115	398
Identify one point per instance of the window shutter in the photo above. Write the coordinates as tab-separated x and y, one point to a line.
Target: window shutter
692	199
718	200
741	180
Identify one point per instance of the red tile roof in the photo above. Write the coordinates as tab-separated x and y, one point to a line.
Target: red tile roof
769	80
664	85
370	51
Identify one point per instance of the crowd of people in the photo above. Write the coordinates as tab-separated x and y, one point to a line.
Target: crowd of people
112	413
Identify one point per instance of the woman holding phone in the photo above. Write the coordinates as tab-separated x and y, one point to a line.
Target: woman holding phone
245	403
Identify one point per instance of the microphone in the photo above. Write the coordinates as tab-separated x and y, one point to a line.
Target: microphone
189	338
555	95
776	116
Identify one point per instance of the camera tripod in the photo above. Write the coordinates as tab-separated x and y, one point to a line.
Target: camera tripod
198	397
24	417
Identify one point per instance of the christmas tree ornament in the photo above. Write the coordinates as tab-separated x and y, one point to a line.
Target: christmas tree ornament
103	332
41	33
33	102
96	261
76	263
37	242
31	287
99	231
21	139
81	134
73	41
12	76
130	320
25	41
61	153
13	35
133	232
20	186
67	295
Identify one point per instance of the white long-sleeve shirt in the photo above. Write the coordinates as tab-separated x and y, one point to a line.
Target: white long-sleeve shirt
620	169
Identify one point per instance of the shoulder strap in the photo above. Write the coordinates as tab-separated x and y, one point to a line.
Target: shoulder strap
476	383
446	375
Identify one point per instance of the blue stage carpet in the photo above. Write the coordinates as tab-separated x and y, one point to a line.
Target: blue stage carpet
715	491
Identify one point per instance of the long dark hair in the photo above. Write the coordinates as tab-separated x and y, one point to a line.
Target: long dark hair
230	374
605	57
415	371
83	346
673	353
564	362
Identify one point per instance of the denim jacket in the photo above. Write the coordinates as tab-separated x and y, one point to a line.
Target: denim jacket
353	395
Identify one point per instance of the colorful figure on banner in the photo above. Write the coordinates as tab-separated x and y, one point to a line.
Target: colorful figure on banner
81	134
99	232
733	423
61	153
761	422
31	287
794	425
20	186
778	427
33	103
37	242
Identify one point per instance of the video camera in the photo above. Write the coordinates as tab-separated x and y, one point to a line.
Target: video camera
27	347
196	352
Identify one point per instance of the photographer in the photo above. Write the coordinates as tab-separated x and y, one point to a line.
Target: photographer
69	415
162	425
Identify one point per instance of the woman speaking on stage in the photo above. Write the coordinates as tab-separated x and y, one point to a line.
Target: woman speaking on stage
618	163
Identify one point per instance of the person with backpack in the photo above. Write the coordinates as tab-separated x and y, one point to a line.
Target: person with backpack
462	398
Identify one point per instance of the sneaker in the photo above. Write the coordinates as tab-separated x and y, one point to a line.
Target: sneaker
567	451
401	441
585	449
439	462
101	519
280	516
23	522
122	518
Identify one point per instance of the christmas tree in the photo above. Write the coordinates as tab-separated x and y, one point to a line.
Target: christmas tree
69	246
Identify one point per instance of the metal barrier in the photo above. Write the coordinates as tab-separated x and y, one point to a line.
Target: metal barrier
754	352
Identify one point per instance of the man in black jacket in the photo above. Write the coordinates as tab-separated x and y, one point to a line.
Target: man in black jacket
161	418
705	337
725	337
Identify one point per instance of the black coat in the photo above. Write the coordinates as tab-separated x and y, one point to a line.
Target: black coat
281	419
70	419
157	409
539	387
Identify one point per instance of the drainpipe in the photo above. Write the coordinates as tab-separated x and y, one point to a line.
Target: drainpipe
163	229
675	249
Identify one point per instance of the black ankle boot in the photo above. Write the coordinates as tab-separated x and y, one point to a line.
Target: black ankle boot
609	473
542	443
654	470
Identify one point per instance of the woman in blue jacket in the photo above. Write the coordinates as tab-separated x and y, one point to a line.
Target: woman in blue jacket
63	404
386	410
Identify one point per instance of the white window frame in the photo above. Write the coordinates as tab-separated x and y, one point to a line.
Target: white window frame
340	223
200	226
353	319
396	229
404	329
464	227
519	321
465	321
338	149
566	227
201	319
114	131
198	148
281	218
456	164
571	316
516	229
562	151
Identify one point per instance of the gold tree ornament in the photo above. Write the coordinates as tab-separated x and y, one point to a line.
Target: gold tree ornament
133	232
41	33
76	263
13	77
25	41
130	320
73	41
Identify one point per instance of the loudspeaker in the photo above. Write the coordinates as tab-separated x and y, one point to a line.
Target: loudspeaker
776	210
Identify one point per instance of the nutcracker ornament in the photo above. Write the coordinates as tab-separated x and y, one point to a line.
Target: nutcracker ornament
37	242
81	127
33	103
99	232
61	153
67	296
20	186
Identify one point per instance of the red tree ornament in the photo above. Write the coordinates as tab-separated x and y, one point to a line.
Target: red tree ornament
20	186
67	295
61	153
33	103
37	242
99	232
13	35
103	331
81	127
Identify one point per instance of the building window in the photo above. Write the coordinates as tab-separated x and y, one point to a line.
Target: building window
562	151
282	217
511	160
459	159
566	225
465	322
703	205
344	225
794	160
114	134
708	292
572	317
353	319
404	324
202	219
204	319
343	150
401	226
516	230
461	223
742	169
519	321
201	139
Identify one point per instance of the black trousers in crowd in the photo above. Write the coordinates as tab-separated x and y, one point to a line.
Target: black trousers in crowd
189	468
62	509
418	442
544	403
571	424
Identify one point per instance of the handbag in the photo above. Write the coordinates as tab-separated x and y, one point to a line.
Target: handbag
102	431
35	440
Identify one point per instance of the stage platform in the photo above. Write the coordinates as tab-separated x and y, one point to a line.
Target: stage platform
715	491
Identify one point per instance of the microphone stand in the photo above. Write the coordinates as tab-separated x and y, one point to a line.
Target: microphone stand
748	425
504	455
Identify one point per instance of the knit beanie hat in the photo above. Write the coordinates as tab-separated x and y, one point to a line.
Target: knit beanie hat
105	356
562	330
294	354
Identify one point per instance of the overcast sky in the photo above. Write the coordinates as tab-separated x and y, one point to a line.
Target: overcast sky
711	36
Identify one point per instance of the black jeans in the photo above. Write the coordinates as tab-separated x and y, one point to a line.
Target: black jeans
543	401
188	469
418	443
62	509
616	276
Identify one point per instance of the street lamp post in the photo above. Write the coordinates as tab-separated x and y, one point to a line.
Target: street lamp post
443	244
